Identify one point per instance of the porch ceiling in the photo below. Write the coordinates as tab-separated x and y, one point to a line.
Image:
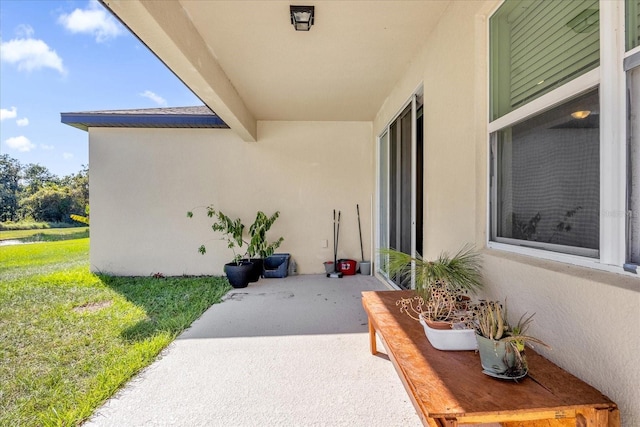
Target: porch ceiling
246	62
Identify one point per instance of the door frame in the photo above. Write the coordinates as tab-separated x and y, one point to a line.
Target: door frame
414	102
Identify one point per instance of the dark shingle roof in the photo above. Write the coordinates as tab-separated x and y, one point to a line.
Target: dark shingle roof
176	117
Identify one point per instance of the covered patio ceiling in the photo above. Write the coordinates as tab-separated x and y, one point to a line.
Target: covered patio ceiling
247	63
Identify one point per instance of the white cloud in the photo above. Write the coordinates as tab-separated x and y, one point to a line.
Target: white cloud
24	31
20	143
8	114
23	121
93	20
155	98
67	156
47	147
30	54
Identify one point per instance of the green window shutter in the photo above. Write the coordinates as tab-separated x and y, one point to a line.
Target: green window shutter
632	12
537	46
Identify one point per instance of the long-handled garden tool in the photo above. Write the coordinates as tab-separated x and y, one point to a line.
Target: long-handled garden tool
336	235
360	231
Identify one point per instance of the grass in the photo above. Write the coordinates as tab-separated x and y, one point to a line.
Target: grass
69	339
49	235
33	225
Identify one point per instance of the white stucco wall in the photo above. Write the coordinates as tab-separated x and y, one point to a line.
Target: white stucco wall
589	317
143	181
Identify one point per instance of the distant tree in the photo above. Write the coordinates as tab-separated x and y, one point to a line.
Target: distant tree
52	203
35	176
79	185
34	192
9	188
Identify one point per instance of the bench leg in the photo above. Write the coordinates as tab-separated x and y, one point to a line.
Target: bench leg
372	339
591	417
446	422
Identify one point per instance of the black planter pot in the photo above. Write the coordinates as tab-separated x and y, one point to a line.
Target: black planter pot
258	266
239	275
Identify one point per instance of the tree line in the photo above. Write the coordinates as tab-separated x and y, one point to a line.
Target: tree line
32	192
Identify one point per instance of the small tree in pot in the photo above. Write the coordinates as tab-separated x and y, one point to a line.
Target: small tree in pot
247	265
238	271
258	247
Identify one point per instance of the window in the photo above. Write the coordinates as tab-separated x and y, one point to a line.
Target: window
564	172
632	13
632	68
547	183
537	46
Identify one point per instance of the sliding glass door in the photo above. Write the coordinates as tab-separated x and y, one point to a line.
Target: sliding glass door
400	184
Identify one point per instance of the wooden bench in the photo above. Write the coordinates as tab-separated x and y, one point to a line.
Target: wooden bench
448	388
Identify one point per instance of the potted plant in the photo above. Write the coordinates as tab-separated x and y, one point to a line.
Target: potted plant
448	278
444	307
258	247
239	270
458	272
448	323
500	344
441	285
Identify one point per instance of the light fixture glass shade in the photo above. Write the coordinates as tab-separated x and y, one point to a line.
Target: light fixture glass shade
302	17
581	114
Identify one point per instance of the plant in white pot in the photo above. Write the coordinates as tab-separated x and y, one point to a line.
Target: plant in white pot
441	285
502	345
461	271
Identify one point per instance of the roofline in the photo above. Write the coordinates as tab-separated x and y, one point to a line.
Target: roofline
86	120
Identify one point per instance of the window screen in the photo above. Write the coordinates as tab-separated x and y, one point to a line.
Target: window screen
539	45
632	12
548	179
633	224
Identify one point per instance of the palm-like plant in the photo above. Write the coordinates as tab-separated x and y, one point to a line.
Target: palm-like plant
461	272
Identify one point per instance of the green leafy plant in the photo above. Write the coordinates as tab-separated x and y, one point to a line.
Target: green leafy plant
231	229
258	244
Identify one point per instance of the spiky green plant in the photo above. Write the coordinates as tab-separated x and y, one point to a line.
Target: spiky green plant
459	272
492	323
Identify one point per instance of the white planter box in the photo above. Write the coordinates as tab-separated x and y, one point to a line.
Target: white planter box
450	339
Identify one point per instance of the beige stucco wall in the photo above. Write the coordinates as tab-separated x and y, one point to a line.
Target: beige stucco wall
589	317
143	181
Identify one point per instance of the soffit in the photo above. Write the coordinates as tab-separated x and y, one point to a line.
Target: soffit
342	69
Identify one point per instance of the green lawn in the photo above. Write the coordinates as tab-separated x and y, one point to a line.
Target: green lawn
69	338
47	235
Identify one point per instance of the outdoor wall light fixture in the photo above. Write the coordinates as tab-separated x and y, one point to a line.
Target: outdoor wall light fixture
302	17
581	114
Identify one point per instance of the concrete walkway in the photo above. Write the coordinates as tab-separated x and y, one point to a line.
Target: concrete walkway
282	352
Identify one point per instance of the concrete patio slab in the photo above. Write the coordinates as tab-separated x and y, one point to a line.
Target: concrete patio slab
282	352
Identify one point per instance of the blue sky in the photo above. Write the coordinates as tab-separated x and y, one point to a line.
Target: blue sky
70	56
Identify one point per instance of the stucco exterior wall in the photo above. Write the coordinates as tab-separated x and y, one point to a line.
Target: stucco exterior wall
589	317
143	181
